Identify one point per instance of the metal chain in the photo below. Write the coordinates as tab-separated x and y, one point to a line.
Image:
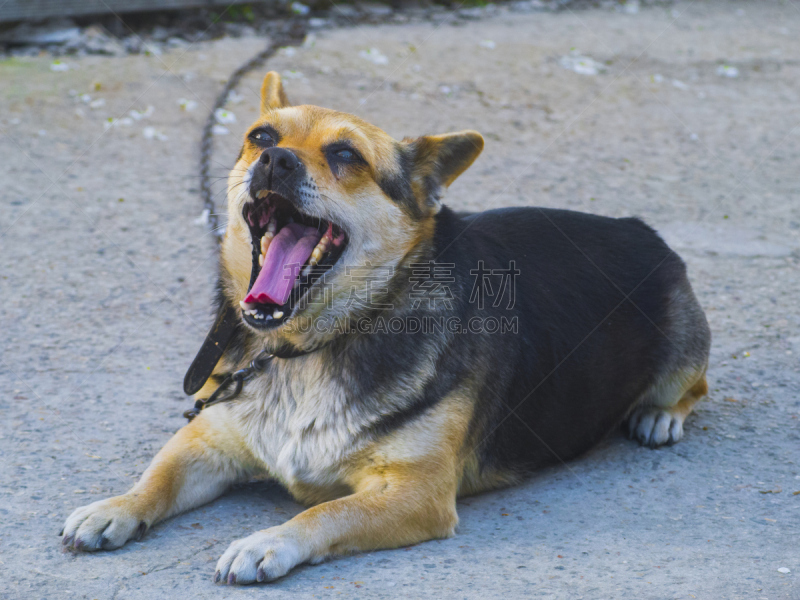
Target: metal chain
221	394
293	34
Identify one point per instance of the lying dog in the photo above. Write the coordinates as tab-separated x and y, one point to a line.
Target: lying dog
419	355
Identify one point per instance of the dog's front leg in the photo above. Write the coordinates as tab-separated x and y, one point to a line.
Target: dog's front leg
396	506
194	467
404	492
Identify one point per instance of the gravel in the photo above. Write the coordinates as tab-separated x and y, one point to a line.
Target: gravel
152	32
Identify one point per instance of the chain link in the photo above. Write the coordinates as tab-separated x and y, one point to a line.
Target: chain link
293	34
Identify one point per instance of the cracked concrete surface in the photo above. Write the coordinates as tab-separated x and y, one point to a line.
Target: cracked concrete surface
106	286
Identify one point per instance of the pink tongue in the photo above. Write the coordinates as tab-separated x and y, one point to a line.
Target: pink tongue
287	253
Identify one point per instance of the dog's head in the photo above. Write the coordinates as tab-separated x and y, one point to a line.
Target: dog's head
318	200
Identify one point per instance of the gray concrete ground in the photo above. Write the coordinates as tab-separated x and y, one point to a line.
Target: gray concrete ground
106	285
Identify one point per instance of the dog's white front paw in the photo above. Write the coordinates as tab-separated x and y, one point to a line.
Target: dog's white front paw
103	525
653	426
263	556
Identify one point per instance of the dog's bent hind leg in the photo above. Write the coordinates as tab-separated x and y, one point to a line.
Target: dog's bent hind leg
658	416
197	465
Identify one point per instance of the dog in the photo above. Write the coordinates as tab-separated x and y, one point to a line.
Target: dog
414	355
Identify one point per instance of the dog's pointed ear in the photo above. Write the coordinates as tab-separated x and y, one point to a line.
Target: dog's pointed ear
272	94
437	160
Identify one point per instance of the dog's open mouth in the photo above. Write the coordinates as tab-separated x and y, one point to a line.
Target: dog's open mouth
291	251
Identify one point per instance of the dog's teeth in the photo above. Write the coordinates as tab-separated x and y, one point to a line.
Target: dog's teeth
260	260
277	314
261	194
319	251
246	305
272	226
266	239
307	269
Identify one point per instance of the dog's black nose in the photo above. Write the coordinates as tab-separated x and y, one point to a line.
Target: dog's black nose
280	160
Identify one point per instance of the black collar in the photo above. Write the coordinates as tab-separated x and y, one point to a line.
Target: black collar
211	351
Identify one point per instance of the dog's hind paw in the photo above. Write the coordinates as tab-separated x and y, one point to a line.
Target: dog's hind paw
654	427
263	556
103	525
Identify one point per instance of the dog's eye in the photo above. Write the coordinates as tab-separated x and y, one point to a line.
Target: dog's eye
345	154
263	138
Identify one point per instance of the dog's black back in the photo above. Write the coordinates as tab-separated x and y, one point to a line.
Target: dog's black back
591	299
